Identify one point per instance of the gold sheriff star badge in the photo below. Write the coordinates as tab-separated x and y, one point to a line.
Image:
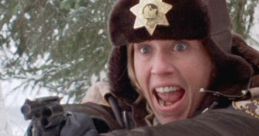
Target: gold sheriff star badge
150	13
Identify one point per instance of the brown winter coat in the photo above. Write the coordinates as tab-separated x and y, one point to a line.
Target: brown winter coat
230	118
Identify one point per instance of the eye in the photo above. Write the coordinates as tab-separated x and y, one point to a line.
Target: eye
145	49
181	46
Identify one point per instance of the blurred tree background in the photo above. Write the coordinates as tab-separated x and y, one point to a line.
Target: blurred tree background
62	45
242	13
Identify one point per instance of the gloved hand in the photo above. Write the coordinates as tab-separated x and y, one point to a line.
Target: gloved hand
78	124
75	124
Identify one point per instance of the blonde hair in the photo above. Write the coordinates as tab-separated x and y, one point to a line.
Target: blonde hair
131	70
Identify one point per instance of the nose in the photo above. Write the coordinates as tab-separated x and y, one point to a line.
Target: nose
162	65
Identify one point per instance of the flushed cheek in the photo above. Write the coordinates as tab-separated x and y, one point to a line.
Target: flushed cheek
142	78
196	82
195	98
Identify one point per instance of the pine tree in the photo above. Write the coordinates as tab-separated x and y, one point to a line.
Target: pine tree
62	45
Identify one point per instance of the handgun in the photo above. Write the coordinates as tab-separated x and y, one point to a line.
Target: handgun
44	112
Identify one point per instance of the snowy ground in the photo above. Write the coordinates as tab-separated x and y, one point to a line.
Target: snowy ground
12	121
17	125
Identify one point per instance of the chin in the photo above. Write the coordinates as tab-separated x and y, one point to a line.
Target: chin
169	119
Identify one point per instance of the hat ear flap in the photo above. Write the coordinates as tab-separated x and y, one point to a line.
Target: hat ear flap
240	48
220	23
255	81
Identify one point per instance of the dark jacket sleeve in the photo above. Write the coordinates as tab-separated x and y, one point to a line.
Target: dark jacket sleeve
225	122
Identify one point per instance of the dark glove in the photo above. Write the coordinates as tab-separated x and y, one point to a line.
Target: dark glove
78	124
37	127
75	124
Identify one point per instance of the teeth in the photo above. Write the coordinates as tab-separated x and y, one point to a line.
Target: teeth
164	103
166	89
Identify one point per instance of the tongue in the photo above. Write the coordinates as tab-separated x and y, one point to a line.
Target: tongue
171	97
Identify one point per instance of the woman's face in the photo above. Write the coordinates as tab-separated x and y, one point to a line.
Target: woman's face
170	74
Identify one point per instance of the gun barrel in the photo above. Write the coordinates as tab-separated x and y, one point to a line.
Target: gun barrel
41	107
26	111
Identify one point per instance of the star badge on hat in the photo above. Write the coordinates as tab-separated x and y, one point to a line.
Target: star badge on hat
150	13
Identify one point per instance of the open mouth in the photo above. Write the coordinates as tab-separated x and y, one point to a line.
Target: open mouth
168	96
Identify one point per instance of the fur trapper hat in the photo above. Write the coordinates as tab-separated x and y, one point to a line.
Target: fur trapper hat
206	20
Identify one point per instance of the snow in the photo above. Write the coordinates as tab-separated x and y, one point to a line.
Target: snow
5	129
12	120
255	29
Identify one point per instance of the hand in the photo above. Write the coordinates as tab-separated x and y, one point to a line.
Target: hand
78	124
